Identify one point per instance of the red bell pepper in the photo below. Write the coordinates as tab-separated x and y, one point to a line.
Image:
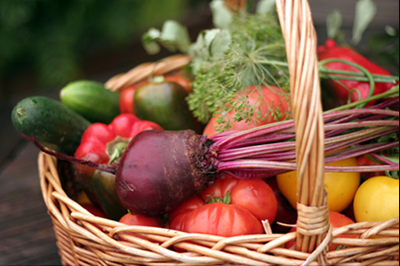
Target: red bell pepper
352	89
105	144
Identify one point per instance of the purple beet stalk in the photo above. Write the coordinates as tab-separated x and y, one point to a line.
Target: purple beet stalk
270	149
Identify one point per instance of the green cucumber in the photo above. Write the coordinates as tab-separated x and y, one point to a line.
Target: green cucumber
51	123
164	103
91	100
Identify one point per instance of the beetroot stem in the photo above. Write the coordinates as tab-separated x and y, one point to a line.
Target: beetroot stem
251	165
331	144
271	147
71	159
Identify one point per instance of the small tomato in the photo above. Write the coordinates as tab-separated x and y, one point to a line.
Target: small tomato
340	186
337	220
132	219
377	199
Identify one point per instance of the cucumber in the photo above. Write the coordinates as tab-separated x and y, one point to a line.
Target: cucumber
52	124
164	103
91	100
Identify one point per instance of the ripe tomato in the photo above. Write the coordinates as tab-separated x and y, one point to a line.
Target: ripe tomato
341	187
254	195
337	220
272	104
218	219
251	201
377	199
132	219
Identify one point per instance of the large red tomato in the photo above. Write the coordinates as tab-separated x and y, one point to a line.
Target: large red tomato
274	107
230	208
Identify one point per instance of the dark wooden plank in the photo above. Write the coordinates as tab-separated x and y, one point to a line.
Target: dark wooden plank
26	230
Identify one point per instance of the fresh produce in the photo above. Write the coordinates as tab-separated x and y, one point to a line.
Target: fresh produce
161	169
255	195
105	144
286	214
337	220
342	58
365	161
226	61
133	219
52	124
93	210
126	103
243	50
377	199
172	166
164	103
181	78
274	106
224	209
341	187
91	100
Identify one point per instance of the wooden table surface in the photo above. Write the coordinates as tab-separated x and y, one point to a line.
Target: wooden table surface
26	233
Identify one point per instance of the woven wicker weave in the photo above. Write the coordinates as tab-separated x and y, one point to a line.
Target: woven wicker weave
84	239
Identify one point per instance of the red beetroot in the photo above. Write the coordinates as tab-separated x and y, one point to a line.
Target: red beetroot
166	165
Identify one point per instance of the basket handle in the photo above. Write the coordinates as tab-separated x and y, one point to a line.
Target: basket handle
301	46
145	70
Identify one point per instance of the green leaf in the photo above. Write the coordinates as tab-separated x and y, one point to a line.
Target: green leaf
173	37
265	6
333	23
393	158
222	16
149	44
365	12
210	45
219	44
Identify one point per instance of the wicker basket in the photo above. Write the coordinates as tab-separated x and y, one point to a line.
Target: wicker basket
84	239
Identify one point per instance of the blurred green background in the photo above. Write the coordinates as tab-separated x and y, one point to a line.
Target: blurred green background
53	37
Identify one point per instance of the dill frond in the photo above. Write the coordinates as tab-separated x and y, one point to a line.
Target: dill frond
256	56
